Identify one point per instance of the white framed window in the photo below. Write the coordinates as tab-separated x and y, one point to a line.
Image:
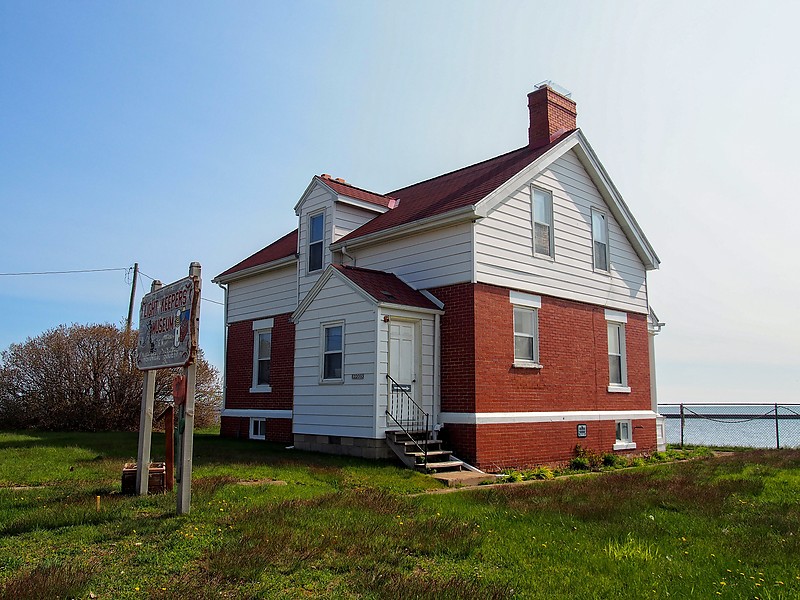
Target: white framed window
624	439
258	429
526	329
333	352
316	235
542	222
600	255
262	355
617	362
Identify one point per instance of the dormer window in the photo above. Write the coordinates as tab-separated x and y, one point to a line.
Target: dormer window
316	233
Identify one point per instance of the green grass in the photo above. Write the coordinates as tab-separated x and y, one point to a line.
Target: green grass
723	526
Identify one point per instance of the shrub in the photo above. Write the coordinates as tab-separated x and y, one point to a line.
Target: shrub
612	460
542	472
579	463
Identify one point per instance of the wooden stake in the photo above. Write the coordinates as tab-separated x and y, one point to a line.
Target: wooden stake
146	424
186	423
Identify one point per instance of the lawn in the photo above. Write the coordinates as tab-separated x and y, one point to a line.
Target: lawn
267	522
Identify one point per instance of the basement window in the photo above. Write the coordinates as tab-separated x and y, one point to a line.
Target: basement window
624	439
258	429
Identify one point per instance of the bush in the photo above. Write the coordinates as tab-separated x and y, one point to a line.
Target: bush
613	460
542	472
579	463
84	378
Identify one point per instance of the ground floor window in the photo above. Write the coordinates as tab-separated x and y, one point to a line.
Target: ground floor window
333	351
526	329
258	429
262	355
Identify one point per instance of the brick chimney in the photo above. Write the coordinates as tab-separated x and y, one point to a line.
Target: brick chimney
551	114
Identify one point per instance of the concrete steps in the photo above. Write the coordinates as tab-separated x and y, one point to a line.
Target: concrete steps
410	449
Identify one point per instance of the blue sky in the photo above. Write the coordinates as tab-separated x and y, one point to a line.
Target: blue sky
167	132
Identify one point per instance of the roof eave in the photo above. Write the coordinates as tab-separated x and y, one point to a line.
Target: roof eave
409	307
623	214
466	213
256	269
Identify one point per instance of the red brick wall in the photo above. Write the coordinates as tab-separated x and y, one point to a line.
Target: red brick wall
478	375
239	378
518	445
278	430
239	366
458	347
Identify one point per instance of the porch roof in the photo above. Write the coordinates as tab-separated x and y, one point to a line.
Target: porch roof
386	287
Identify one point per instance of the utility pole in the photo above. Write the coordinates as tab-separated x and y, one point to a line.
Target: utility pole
133	294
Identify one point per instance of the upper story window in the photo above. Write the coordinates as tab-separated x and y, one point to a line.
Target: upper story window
316	234
599	240
542	222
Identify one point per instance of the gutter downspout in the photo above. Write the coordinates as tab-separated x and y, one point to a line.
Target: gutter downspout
224	348
437	375
348	255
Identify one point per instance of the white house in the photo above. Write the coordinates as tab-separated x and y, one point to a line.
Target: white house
502	307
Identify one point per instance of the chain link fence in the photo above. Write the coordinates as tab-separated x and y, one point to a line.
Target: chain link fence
732	425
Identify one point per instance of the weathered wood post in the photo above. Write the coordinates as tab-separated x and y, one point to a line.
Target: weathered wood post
169	450
186	423
683	425
146	423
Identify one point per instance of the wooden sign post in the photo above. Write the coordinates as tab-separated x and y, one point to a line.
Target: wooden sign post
169	325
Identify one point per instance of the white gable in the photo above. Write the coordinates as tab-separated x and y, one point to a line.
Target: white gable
504	248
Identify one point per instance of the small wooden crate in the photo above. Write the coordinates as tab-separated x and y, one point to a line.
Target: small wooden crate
156	483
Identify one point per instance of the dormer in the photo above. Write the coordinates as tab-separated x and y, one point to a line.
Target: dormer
329	209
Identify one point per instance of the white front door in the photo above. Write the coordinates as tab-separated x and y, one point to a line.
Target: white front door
403	356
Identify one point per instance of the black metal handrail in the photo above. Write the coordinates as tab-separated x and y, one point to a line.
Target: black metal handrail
409	416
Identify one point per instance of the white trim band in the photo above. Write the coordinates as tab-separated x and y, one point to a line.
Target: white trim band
543	417
258	414
522	299
616	316
263	324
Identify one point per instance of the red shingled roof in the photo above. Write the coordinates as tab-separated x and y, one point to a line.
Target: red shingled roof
345	189
385	287
453	190
282	248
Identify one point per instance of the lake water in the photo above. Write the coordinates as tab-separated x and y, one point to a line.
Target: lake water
750	425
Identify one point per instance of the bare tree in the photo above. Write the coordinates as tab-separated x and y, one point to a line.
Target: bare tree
84	377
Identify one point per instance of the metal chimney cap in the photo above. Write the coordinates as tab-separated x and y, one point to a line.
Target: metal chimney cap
555	87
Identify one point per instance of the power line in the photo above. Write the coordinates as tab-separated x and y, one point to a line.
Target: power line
204	299
66	272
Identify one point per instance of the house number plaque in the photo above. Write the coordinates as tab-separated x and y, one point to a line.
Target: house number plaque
582	430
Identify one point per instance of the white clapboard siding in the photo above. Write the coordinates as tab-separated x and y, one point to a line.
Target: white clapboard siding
504	253
320	199
424	260
347	218
268	294
425	329
348	408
